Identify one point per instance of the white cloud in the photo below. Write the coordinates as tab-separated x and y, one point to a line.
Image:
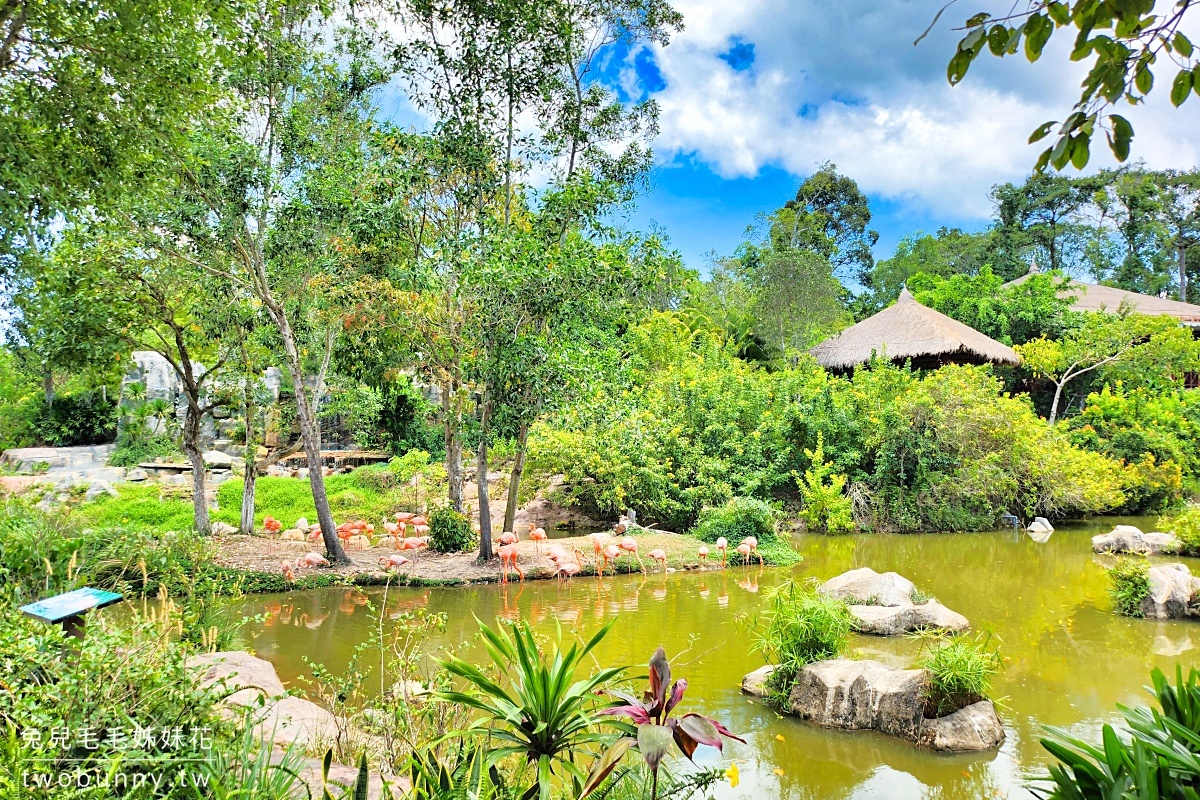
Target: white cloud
884	111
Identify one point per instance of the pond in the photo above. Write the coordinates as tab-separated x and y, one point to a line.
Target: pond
1069	659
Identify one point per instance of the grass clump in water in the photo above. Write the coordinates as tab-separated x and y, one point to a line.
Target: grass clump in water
960	667
747	516
800	627
1130	585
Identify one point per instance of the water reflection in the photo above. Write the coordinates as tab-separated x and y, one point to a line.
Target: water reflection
1069	660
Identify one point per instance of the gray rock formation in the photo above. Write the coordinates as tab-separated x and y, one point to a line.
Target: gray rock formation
883	605
1172	591
97	488
1040	525
867	586
1128	539
222	529
137	474
976	727
755	684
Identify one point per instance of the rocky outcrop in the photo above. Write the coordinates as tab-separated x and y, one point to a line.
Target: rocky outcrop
867	695
1040	525
1172	592
1128	539
976	727
755	684
883	605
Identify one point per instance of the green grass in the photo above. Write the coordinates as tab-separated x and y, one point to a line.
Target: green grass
1130	584
801	627
961	668
137	506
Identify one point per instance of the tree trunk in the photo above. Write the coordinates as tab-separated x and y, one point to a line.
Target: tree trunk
312	443
1183	281
514	479
48	386
453	441
246	523
1058	388
481	473
191	447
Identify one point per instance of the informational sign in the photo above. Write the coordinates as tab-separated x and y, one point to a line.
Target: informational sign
71	604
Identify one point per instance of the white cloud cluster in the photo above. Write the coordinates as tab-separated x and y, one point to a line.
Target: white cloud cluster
841	81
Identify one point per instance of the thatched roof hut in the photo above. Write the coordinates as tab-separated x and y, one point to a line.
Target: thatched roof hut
909	330
1097	297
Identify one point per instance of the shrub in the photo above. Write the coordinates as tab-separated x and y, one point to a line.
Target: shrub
450	532
960	667
131	451
800	627
1130	579
826	508
742	517
1186	527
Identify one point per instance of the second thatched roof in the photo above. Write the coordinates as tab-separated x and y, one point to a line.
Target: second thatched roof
909	330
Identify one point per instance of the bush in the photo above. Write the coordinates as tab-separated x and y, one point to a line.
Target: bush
1186	527
450	532
742	517
1130	578
961	669
826	508
131	451
801	627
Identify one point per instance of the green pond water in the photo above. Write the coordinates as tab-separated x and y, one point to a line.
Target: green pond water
1069	659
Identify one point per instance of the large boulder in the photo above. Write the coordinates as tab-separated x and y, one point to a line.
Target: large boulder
860	695
1040	525
249	676
976	727
220	528
755	684
868	587
1171	592
294	720
97	488
1128	539
215	459
895	620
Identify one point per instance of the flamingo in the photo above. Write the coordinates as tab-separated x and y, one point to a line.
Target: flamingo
722	545
629	545
508	537
403	516
599	539
288	572
508	559
744	549
608	556
271	525
569	569
703	552
412	543
752	543
312	560
395	560
417	519
556	553
315	533
660	556
537	536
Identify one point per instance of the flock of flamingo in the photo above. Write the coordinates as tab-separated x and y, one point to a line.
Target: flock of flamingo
607	546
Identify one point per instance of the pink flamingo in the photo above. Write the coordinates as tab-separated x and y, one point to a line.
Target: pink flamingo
311	560
288	572
703	552
412	543
568	568
556	553
722	545
599	540
272	525
744	549
752	543
660	556
537	536
508	559
629	545
395	560
508	537
608	556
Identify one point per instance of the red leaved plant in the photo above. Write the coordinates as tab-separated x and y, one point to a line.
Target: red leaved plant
656	728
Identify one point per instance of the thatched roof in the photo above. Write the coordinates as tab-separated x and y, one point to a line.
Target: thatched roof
909	330
1096	297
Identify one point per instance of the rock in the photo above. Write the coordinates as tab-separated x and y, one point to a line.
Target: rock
177	480
410	691
251	676
302	472
895	620
1128	539
1171	592
48	502
98	488
219	476
860	695
870	588
217	459
137	474
1040	525
294	720
755	684
223	529
976	727
302	525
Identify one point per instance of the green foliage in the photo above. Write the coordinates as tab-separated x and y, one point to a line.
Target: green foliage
1155	757
131	451
1010	314
450	532
542	710
747	516
826	508
1130	585
801	626
950	252
961	668
1186	527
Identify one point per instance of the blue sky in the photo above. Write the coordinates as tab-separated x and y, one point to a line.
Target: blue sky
755	95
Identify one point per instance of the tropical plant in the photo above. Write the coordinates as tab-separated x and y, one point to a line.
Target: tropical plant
656	728
450	532
1157	757
826	507
960	669
1130	584
800	627
1186	527
547	714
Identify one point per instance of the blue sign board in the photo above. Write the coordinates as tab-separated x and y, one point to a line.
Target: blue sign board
71	604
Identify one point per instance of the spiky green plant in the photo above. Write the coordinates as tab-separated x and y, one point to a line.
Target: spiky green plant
960	667
1130	578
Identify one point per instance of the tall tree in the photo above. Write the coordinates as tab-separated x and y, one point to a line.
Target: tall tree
1179	204
829	217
